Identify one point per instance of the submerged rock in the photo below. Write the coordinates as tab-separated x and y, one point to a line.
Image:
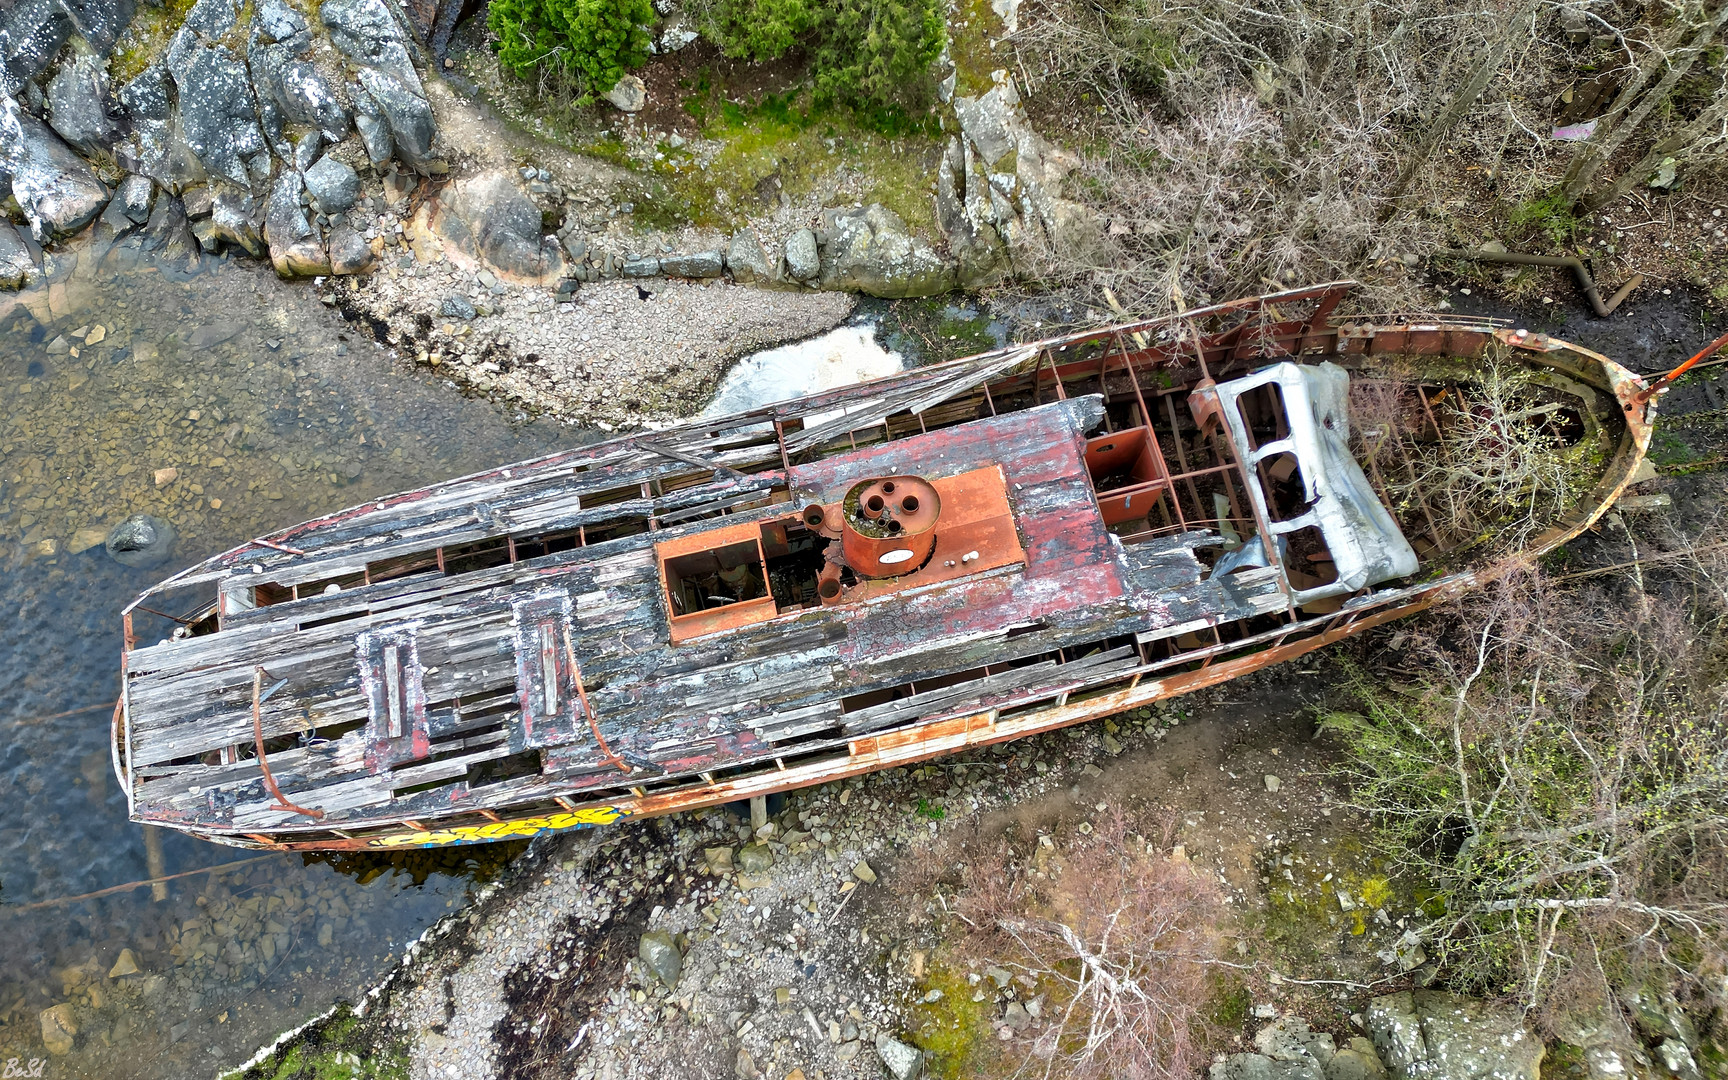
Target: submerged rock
141	541
234	220
59	1028
17	266
57	190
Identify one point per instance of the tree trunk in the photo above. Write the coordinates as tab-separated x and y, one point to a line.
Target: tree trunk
1677	145
1460	104
1595	152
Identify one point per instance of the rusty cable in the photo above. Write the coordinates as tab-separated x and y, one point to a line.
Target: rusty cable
593	723
1660	386
282	802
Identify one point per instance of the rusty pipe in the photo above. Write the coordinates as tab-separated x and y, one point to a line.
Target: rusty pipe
1570	262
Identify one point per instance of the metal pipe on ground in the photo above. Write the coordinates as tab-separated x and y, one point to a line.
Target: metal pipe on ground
1579	270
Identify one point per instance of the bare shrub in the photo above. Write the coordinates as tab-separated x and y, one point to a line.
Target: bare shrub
1245	146
1500	468
1563	778
1121	935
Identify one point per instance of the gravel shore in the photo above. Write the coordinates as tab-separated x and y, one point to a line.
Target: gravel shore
616	355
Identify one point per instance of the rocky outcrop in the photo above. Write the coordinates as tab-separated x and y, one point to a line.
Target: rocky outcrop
33	32
998	192
1430	1035
56	189
388	94
748	261
217	111
869	250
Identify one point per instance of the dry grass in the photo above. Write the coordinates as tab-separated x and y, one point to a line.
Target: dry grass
1117	933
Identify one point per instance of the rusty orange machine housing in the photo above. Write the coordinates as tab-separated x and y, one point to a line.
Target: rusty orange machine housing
956	555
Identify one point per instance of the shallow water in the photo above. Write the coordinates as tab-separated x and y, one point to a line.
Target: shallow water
270	411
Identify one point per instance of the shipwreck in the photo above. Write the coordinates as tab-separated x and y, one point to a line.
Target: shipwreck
960	554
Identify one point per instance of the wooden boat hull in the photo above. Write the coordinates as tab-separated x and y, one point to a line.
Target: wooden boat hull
681	779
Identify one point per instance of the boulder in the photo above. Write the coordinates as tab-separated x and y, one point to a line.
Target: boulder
17	266
660	953
902	1062
234	220
755	859
803	260
75	103
488	218
305	257
59	1028
413	129
56	189
374	129
134	196
349	252
218	113
333	185
33	32
870	251
1357	1061
1431	1035
747	260
701	264
141	541
629	95
642	266
457	306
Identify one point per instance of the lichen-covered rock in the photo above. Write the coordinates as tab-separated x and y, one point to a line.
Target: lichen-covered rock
902	1062
367	33
57	190
234	220
32	33
1430	1035
374	129
308	98
630	94
134	196
285	223
870	251
700	264
217	110
413	130
75	98
155	148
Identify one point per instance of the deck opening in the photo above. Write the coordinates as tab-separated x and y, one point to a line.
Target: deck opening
616	530
479	555
705	580
499	770
534	547
401	566
795	557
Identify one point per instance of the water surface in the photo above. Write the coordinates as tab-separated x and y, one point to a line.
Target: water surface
269	410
